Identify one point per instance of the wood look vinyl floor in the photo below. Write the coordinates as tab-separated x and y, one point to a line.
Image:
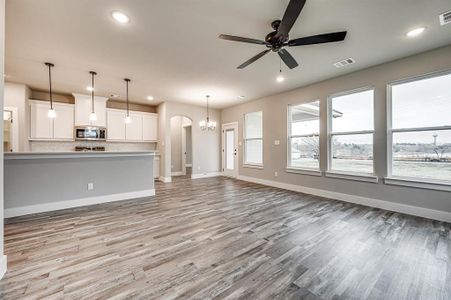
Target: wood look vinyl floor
220	238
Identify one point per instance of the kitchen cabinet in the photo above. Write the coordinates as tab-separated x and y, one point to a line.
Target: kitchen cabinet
116	125
83	109
44	128
142	128
150	127
134	129
63	124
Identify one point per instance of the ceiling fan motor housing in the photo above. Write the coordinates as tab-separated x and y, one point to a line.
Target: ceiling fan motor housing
276	41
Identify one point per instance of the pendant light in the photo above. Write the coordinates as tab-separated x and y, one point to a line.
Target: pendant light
128	120
51	114
280	78
207	124
92	116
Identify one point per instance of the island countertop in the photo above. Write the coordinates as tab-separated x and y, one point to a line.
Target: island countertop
75	154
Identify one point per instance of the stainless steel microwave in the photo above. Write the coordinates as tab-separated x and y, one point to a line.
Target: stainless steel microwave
90	133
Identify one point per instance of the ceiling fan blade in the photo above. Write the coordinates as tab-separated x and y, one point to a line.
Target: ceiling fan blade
291	15
241	39
318	39
253	59
288	59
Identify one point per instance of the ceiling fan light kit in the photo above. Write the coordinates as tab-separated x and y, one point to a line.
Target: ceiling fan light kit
277	40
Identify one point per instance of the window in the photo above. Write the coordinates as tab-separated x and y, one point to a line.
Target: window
419	136
351	132
303	136
253	138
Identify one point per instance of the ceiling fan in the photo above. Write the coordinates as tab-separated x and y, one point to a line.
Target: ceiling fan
277	40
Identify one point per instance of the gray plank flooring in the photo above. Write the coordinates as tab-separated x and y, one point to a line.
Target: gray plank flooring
219	238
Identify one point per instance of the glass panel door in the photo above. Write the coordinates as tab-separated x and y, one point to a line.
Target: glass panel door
230	150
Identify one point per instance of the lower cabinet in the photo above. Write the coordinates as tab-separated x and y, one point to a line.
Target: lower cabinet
142	128
44	128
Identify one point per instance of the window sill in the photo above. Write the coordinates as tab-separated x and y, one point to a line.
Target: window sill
355	177
311	172
419	183
251	166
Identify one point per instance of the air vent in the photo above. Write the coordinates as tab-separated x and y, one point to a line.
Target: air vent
344	62
445	18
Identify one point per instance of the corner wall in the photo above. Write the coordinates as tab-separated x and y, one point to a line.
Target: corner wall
2	70
275	128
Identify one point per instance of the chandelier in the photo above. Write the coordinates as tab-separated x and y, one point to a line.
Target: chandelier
207	124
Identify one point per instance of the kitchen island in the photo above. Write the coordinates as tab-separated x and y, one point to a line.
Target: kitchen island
45	181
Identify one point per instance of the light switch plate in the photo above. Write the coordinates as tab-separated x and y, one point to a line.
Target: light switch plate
90	186
277	142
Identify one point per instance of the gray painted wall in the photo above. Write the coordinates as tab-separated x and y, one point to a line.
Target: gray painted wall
275	127
206	154
54	180
188	145
176	144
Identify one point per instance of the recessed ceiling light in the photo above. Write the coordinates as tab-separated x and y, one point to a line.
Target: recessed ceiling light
415	32
240	97
89	88
150	98
120	17
280	78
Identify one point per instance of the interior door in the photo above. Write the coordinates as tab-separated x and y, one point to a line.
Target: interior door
230	150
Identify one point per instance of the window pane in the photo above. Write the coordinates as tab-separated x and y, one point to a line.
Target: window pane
253	125
230	140
423	154
305	118
352	153
353	112
305	152
254	152
422	103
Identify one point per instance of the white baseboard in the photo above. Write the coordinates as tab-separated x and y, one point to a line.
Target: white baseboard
165	179
205	175
45	207
3	266
392	206
178	173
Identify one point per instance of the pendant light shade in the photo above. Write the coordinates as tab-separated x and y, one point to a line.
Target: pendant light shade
128	120
92	116
207	124
51	114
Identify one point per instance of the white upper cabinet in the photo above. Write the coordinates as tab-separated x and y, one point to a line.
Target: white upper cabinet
44	128
134	129
83	109
63	124
150	127
41	126
115	125
142	128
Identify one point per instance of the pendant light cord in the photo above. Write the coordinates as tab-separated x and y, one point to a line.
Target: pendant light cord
280	65
126	92
92	90
50	65
208	113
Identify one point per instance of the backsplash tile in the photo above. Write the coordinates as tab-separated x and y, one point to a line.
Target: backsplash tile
37	146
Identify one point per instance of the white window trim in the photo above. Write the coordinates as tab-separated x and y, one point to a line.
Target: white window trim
302	170
417	182
371	177
353	176
250	164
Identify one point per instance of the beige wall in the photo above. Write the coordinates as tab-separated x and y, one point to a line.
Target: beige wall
16	95
275	128
176	144
206	145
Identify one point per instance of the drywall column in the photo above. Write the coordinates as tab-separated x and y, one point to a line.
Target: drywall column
2	60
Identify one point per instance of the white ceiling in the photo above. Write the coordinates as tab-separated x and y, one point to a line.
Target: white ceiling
170	49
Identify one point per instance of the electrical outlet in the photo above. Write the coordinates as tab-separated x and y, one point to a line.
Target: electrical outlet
198	167
90	186
276	174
